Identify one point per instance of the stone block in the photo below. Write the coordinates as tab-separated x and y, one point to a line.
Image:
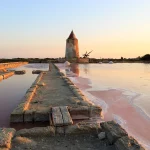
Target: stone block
95	111
36	71
37	131
127	143
28	116
20	72
32	89
41	116
17	114
83	128
113	131
79	112
6	135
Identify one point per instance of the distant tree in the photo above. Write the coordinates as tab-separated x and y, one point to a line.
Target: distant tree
146	57
121	58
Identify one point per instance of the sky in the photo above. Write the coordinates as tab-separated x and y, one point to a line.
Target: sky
39	28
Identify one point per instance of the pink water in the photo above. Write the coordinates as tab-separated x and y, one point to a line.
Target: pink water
14	88
122	90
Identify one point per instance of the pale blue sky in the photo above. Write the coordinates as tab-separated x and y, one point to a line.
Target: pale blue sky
39	28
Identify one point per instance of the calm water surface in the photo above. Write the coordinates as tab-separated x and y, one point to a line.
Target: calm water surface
122	90
14	88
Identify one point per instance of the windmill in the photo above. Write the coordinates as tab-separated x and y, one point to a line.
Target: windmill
87	54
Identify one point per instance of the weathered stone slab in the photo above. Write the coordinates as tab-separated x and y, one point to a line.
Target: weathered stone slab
20	72
80	112
28	116
28	96
67	120
41	116
83	128
69	83
62	74
38	78
32	89
37	131
72	87
95	111
113	131
57	116
36	71
6	134
17	114
127	143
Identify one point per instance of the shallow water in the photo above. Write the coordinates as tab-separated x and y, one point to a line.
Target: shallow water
14	88
121	89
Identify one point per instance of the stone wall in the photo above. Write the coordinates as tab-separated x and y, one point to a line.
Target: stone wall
83	60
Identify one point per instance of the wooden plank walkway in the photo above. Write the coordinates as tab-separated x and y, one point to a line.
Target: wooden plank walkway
67	120
61	116
57	116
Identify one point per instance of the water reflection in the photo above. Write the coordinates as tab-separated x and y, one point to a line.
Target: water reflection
86	68
72	70
13	89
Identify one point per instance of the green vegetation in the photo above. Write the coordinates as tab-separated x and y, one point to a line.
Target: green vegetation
145	59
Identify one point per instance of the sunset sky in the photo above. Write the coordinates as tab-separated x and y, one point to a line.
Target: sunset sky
39	28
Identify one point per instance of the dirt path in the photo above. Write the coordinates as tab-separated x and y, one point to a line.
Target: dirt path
55	92
82	142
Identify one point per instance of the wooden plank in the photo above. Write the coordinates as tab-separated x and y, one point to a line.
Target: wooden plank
66	115
57	116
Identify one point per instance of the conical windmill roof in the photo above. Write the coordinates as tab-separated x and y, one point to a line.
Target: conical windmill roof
72	35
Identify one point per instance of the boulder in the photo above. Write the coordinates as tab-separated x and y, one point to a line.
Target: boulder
127	143
113	131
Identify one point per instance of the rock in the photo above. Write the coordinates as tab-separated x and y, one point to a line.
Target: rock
113	131
20	72
6	135
102	135
36	71
127	143
37	131
95	111
83	128
41	84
